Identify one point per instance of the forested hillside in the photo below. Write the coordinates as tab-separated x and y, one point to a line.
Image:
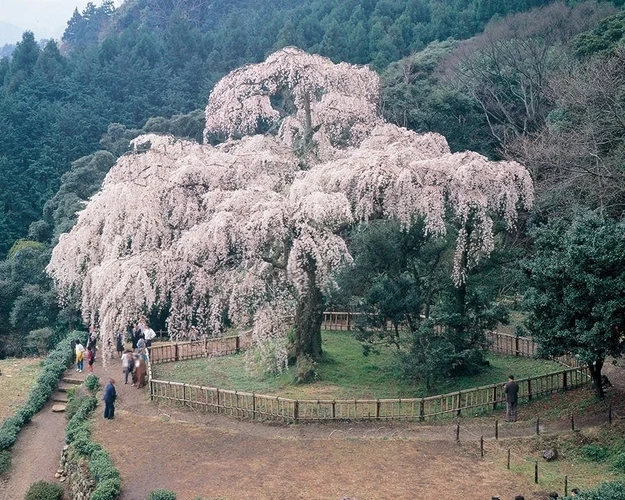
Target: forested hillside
510	79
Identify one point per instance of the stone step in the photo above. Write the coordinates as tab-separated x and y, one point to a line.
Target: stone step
58	408
59	398
65	388
71	380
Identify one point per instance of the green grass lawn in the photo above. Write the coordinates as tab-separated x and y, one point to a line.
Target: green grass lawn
17	379
345	373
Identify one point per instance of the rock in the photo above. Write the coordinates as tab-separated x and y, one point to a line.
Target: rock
62	479
58	408
550	454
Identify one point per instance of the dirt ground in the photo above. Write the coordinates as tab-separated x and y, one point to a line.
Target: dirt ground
214	457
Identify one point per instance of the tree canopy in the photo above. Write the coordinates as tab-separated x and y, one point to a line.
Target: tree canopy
577	289
245	232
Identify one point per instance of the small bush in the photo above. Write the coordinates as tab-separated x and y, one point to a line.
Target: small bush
594	453
73	405
605	491
107	490
5	461
619	462
41	490
102	467
162	495
92	382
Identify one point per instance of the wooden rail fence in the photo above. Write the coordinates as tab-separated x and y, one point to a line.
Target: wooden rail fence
262	407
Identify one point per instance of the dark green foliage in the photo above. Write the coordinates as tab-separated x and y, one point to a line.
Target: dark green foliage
108	489
5	461
594	453
618	462
400	280
92	382
576	297
161	495
42	490
605	491
604	39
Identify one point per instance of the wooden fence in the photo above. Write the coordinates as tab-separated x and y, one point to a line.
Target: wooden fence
180	351
262	407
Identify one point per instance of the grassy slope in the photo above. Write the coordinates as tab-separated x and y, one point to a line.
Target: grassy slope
16	381
344	374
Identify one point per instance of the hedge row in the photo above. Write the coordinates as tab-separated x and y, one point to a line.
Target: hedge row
78	437
54	366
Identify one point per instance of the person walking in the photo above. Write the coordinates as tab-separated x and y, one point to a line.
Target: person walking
80	355
90	359
511	388
128	364
110	395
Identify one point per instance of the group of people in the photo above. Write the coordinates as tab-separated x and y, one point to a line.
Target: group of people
133	361
89	352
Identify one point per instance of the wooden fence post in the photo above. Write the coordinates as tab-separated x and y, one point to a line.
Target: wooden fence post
529	389
422	410
564	380
176	351
508	458
494	397
496	429
296	410
458	431
536	472
516	346
459	405
537	426
377	409
482	446
237	344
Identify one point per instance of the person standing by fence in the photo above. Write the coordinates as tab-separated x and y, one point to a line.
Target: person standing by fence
511	388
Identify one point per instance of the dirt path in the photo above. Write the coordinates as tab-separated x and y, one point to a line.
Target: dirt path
36	453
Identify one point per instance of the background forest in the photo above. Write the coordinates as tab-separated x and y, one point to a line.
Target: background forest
535	81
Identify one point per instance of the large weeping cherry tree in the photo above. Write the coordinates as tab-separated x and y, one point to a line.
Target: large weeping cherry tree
248	232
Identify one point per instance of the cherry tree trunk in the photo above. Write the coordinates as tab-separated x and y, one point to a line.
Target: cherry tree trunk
309	315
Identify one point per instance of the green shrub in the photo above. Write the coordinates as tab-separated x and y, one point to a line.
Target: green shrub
619	462
74	404
162	495
41	490
5	461
605	491
107	490
595	453
101	466
92	382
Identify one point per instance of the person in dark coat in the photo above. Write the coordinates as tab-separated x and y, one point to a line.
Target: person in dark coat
119	344
110	395
511	388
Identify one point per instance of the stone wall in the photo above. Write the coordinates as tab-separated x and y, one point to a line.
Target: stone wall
75	469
